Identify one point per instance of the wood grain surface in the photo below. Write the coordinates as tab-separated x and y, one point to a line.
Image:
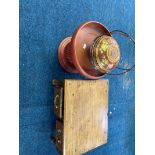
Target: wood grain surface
85	115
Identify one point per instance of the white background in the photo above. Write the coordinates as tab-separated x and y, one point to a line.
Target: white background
9	77
145	77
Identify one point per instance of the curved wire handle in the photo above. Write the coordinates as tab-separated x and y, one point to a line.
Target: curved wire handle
130	38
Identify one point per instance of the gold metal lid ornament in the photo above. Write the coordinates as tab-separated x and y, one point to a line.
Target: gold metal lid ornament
105	53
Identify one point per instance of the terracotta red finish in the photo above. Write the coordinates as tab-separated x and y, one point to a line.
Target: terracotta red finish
74	52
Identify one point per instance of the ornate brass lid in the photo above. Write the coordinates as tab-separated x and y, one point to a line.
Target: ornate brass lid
105	53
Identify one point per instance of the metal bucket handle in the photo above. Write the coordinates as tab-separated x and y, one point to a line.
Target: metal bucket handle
125	70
